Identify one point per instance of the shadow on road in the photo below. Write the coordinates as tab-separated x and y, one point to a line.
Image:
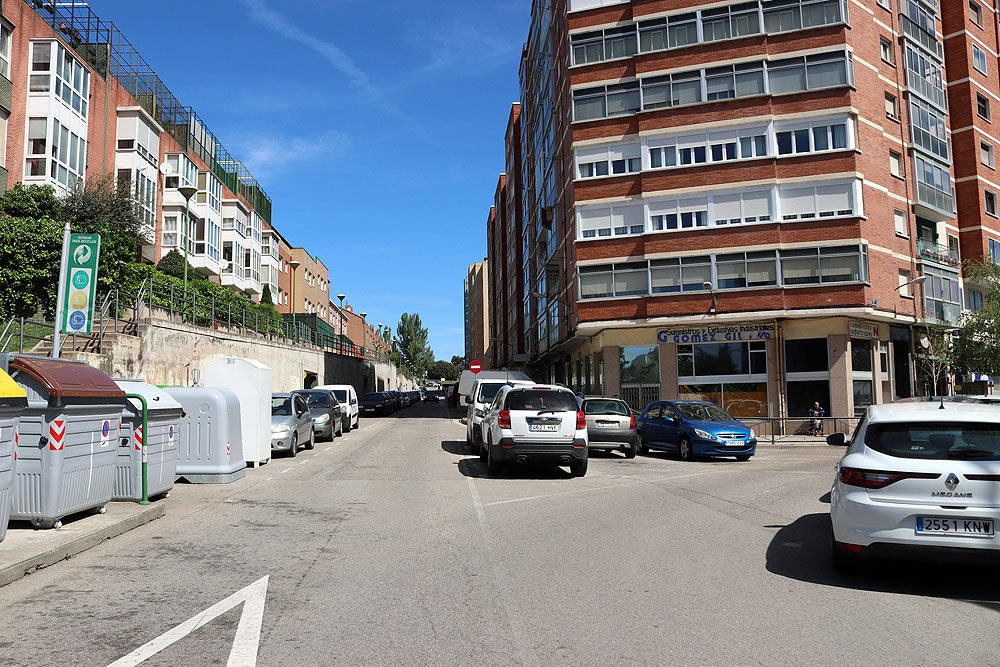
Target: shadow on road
457	447
801	551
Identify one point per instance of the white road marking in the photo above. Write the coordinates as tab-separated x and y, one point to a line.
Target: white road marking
520	645
284	471
245	643
603	488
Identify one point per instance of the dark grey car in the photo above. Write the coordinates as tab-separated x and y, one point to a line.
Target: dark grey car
327	413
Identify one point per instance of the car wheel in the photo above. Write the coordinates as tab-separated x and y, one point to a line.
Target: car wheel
293	451
684	449
578	468
311	442
631	450
347	425
641	446
493	467
842	560
743	457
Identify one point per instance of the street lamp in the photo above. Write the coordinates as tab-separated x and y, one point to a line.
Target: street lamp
294	264
364	335
187	191
915	281
341	341
711	288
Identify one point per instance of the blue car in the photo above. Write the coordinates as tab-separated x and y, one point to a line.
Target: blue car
694	428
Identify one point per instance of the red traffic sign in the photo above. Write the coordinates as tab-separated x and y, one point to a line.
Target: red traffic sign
475	366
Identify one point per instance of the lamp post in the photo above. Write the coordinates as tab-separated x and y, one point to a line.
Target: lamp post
340	343
711	288
187	191
378	352
294	264
364	335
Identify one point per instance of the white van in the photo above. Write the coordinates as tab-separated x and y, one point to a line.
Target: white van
348	400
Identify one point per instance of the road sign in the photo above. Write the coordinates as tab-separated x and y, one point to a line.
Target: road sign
81	283
475	366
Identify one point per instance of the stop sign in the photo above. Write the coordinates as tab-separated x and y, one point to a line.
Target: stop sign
475	366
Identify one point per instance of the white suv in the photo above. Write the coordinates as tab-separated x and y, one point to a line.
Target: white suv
919	480
479	398
531	422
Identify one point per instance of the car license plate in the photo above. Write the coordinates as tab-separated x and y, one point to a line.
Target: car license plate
543	427
606	424
927	525
734	443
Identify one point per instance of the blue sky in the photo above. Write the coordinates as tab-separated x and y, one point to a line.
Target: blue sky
375	127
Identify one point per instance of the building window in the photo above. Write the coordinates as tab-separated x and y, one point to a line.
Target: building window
883	3
979	59
885	48
904	284
975	301
990	201
899	220
929	129
976	13
891	107
895	164
986	153
982	106
994	249
4	49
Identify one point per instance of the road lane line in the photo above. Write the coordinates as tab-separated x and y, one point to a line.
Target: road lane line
520	645
603	488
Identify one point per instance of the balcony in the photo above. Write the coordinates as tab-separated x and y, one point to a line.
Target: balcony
933	252
943	312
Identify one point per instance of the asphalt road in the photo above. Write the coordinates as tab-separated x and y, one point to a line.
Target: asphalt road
390	546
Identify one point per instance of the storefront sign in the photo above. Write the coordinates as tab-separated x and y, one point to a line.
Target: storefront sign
862	330
717	334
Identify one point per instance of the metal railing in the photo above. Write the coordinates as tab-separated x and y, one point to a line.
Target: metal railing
799	429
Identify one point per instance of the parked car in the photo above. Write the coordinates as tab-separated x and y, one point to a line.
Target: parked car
918	481
291	423
432	396
694	428
348	399
327	413
478	400
611	425
529	422
376	403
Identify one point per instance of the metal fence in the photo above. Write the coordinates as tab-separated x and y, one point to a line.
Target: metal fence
123	312
638	395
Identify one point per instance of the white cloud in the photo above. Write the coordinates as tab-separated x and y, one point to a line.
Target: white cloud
462	44
268	154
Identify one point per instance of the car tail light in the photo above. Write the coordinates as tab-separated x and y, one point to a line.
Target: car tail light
879	479
503	419
581	421
631	421
983	478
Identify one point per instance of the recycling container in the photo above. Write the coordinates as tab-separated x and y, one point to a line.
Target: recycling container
69	435
211	446
13	401
250	380
161	442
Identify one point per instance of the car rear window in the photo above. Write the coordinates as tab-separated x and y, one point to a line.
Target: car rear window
605	408
541	399
942	441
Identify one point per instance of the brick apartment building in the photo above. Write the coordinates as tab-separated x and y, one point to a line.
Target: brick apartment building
762	203
79	102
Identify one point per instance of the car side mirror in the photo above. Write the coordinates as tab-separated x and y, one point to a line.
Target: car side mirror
468	400
836	439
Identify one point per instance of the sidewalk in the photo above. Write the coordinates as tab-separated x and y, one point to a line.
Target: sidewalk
25	549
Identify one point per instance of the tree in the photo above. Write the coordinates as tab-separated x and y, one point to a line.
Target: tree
30	250
442	369
977	344
265	296
934	359
30	201
101	208
458	361
172	264
411	343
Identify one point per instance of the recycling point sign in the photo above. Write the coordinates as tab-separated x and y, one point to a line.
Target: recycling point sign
81	283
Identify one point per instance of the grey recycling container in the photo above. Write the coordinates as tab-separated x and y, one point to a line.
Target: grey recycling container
211	442
13	401
68	442
162	442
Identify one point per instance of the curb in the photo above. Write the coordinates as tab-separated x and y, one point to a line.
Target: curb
74	545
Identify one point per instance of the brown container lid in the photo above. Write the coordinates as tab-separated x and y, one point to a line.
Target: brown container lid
62	378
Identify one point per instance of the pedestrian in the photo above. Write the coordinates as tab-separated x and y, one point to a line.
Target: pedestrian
816	413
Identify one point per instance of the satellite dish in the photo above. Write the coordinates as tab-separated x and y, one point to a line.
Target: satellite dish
166	168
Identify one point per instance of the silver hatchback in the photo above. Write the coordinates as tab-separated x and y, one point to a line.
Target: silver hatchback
291	424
